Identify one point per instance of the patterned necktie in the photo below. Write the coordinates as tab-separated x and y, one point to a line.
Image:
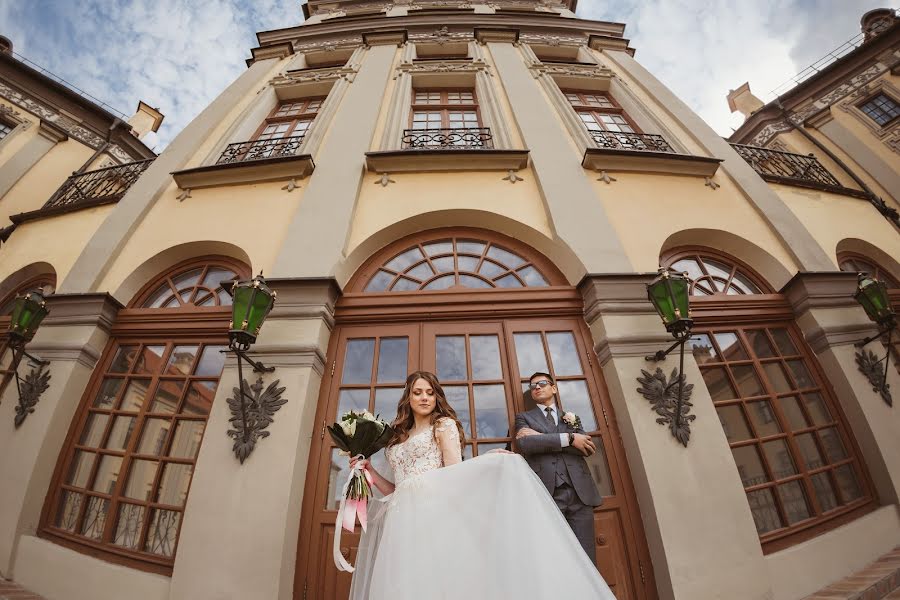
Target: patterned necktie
550	420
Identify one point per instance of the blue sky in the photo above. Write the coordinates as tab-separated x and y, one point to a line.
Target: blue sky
179	54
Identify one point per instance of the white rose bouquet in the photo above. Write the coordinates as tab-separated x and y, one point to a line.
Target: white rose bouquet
358	434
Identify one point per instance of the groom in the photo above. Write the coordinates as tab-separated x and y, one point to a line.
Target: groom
556	451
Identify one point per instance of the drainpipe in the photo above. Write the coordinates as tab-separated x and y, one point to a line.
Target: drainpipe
880	205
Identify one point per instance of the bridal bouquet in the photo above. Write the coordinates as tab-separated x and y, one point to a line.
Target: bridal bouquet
359	434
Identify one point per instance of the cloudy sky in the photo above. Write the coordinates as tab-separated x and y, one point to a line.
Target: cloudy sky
179	54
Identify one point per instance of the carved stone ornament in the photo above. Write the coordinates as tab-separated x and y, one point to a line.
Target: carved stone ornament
329	44
663	395
586	71
36	383
314	76
444	66
870	366
260	407
47	113
553	40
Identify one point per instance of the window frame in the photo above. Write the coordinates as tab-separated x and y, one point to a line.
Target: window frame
445	107
274	118
595	111
872	98
721	312
134	325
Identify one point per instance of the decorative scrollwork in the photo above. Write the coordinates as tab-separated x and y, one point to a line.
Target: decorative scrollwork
639	142
460	138
30	390
260	149
870	366
256	411
663	395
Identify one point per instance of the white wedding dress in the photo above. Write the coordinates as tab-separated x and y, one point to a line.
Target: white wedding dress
483	529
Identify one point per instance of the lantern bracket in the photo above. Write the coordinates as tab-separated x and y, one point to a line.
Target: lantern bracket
888	329
258	367
661	355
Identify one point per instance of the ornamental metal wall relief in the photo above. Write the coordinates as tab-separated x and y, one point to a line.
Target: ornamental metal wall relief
663	396
250	418
36	383
870	366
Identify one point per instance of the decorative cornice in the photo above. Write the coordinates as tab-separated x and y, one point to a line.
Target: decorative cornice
393	37
553	39
314	75
608	42
95	309
619	293
444	66
280	50
594	72
48	114
826	289
441	36
304	298
501	35
52	132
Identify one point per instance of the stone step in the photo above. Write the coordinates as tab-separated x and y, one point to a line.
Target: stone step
10	590
878	581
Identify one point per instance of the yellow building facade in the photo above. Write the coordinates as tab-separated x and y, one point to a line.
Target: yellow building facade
480	190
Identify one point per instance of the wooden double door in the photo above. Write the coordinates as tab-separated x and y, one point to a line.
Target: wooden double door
483	367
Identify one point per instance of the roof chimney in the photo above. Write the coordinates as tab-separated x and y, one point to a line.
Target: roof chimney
743	100
145	119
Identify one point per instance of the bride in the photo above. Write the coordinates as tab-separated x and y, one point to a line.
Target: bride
483	529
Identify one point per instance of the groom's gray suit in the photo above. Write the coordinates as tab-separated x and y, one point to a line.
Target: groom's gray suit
563	471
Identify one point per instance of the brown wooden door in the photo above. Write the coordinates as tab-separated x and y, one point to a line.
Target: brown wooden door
483	367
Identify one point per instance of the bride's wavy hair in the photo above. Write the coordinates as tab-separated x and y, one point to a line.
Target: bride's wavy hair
405	420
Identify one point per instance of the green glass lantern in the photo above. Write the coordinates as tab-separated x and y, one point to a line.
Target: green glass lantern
28	312
669	293
873	296
251	302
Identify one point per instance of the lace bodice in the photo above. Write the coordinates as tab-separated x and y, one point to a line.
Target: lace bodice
420	453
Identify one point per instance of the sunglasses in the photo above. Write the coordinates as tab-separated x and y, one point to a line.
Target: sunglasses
539	384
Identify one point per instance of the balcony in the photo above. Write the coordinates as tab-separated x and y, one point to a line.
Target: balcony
254	161
85	190
471	138
260	149
643	152
446	149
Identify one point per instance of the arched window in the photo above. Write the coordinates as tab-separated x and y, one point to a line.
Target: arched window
122	479
453	262
793	450
858	263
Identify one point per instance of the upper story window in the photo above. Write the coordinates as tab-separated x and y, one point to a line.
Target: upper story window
123	476
711	276
290	119
446	119
882	109
599	112
5	129
860	264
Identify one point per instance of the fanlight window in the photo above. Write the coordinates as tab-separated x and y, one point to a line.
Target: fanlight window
455	263
859	264
710	276
197	286
47	283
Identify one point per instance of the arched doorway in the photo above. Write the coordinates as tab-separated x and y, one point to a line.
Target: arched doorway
483	311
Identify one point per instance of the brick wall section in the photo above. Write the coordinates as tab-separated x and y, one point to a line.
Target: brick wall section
878	581
13	591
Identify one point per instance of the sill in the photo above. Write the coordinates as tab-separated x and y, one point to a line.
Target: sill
400	161
237	173
42	213
108	553
604	159
814	185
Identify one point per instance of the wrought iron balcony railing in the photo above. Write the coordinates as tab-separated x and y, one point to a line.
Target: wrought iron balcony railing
639	142
260	149
471	138
97	187
786	167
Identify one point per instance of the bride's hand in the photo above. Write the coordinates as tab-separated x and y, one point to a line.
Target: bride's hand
362	462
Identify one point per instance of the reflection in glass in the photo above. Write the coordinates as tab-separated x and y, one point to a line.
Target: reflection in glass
435	248
121	432
338	472
702	349
441	283
847	482
809	451
162	532
386	402
718	384
764	510
467	263
173	485
793	497
801	374
107	474
443	264
733	422
94	518
450	353
212	361
730	346
491	419
530	354
747	381
458	398
133	399
508	281
491	269
762	348
817	409
140	479
150	360
392	354
80	468
200	397
405	260
485	357
358	361
574	397
564	354
153	437
824	491
598	467
779	458
505	257
123	359
355	400
94	428
532	277
186	442
763	418
831	442
109	390
421	271
167	396
777	377
67	510
380	282
749	464
783	341
476	248
790	406
181	361
473	282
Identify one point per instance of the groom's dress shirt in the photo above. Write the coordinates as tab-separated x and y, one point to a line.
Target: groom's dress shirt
554	414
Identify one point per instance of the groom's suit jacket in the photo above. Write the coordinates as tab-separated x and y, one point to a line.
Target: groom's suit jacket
545	454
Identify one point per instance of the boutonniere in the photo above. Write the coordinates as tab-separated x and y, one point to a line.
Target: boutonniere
572	420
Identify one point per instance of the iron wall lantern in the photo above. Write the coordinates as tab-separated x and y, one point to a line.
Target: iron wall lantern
873	296
28	312
669	293
251	414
